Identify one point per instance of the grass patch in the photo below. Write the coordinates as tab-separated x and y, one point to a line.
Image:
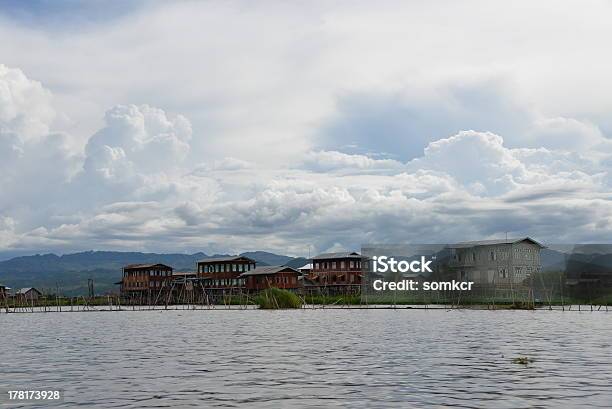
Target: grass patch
275	298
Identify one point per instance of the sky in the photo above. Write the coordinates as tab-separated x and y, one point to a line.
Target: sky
302	127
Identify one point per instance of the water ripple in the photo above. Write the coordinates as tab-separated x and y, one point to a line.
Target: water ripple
312	358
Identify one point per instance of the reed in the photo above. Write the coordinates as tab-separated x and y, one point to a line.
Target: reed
274	299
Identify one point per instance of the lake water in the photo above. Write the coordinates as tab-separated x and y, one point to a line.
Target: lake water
311	358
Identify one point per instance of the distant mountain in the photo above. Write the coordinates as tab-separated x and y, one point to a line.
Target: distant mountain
553	260
69	273
298	262
577	260
266	258
90	260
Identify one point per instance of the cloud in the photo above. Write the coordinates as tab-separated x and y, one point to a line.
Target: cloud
299	128
325	161
567	134
225	164
468	185
301	77
35	163
402	124
474	159
141	135
25	106
7	231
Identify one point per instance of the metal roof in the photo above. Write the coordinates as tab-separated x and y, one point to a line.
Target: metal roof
225	259
467	244
267	270
344	254
25	290
134	266
306	267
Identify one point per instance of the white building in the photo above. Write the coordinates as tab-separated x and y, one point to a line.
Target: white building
496	261
305	269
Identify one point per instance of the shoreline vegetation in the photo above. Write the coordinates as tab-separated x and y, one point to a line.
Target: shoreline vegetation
274	298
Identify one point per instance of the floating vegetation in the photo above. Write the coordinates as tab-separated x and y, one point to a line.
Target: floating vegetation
274	298
522	360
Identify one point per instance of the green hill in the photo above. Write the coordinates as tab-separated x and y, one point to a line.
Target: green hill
70	272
